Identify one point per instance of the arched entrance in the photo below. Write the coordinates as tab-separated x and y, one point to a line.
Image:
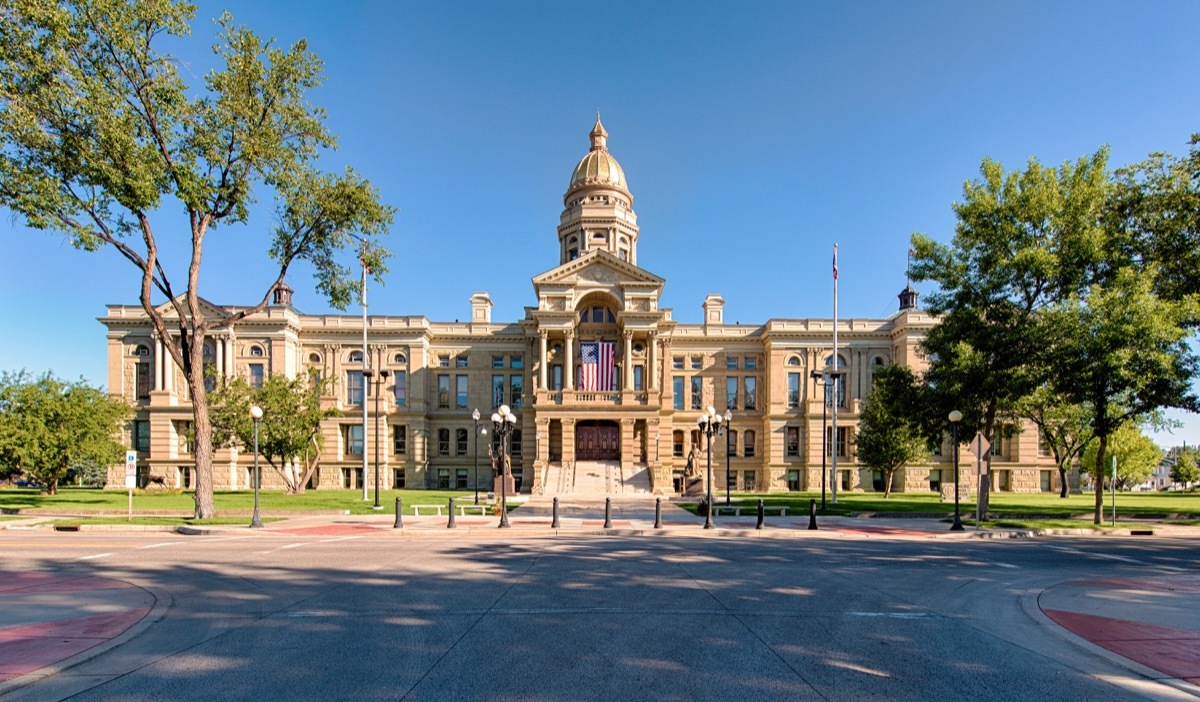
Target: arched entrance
597	440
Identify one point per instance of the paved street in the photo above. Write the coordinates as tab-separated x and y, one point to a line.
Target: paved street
367	614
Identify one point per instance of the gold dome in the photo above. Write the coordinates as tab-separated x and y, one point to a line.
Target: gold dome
598	167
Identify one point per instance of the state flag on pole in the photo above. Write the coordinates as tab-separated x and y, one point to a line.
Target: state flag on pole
835	261
596	364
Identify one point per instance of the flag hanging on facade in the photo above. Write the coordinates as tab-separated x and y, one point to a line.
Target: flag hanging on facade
596	364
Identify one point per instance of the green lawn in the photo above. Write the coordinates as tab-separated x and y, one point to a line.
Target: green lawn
83	500
160	521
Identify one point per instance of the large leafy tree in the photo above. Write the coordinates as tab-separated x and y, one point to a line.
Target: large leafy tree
1065	428
890	433
1185	469
1137	455
48	426
290	429
1022	238
1123	352
103	140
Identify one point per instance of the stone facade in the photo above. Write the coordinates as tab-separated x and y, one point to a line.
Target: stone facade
663	374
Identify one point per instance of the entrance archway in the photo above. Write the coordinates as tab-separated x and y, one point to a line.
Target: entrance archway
597	440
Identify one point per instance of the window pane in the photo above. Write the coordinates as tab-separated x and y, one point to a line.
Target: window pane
556	377
354	439
497	390
400	440
731	392
731	363
497	361
516	362
677	389
792	441
748	451
460	442
638	381
443	447
354	387
751	363
143	381
516	390
751	393
697	392
443	390
697	363
793	390
460	391
256	374
460	361
401	388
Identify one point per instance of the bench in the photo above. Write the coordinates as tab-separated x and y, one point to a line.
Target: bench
480	509
736	510
417	509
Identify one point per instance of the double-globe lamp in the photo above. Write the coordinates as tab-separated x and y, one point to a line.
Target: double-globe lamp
256	414
503	421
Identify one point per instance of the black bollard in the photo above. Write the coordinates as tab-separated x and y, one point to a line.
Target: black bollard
658	513
812	515
451	523
399	522
760	515
608	513
554	521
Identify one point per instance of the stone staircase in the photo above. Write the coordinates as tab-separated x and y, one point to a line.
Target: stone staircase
597	478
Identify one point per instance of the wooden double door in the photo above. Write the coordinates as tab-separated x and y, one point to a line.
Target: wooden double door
597	440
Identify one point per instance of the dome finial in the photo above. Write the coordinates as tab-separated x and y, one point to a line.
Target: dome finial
599	135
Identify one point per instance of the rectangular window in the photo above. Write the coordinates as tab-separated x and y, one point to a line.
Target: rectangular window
401	388
793	391
497	361
354	387
497	390
677	363
793	480
731	362
677	444
751	363
460	442
1044	446
751	393
514	443
143	381
256	374
697	392
677	389
399	440
398	478
460	391
791	441
443	391
731	393
443	361
516	389
141	435
731	442
556	378
697	363
516	361
638	378
841	440
443	478
460	479
748	444
443	445
998	447
935	480
731	480
748	483
460	361
352	439
183	433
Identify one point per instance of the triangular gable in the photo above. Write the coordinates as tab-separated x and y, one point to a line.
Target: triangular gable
208	309
598	267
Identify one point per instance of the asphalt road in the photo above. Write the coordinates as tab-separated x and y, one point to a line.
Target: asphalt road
378	617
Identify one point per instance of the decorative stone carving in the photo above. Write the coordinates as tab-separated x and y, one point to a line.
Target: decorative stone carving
599	275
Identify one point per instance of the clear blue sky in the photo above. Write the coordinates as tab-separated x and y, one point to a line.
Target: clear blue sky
753	138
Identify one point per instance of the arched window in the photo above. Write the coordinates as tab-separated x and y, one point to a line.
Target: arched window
400	358
794	361
256	351
314	358
841	381
356	357
141	350
597	314
879	361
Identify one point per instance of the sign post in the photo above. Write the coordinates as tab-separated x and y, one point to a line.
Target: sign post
130	478
980	446
1114	490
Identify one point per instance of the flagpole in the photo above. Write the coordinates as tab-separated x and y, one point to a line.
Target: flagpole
833	483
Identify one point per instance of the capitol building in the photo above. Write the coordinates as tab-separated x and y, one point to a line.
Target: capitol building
605	384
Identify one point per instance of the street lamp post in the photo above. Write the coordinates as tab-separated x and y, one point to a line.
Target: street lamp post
475	418
709	424
256	414
728	419
824	417
955	418
503	422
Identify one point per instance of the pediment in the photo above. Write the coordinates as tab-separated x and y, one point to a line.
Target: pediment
208	309
598	267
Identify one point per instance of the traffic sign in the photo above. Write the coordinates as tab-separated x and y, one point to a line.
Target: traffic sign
131	469
980	445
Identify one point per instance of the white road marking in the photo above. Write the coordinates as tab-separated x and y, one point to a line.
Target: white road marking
343	538
94	555
165	543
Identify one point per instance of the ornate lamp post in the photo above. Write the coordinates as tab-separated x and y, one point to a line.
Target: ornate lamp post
475	418
256	414
709	424
503	422
955	418
728	419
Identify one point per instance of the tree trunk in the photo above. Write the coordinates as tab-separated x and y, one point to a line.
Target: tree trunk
887	485
1098	478
205	508
1062	476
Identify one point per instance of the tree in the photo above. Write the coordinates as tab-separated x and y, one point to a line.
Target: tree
1124	353
1185	470
890	435
290	429
1022	238
1136	454
1064	427
48	425
103	140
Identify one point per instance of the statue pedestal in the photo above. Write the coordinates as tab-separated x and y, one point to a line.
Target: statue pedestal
509	484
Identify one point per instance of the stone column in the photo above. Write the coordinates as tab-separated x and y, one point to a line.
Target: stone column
651	357
666	367
569	369
627	371
542	334
629	450
568	440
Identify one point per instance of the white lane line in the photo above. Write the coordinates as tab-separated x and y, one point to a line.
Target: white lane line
1005	565
1124	559
1064	549
165	543
343	538
94	555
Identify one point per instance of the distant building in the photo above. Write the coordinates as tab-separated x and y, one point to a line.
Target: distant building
606	384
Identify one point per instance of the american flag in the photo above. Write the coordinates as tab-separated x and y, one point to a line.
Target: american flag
835	261
596	362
